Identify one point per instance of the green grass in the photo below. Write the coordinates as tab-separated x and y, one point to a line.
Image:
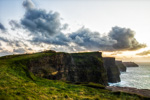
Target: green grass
17	83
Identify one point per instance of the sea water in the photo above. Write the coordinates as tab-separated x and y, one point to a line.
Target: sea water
137	77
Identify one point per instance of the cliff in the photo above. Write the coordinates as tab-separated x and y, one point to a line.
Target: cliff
75	67
88	67
17	82
121	66
113	72
130	64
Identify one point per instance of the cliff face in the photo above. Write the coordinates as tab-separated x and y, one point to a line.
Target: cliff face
113	72
54	66
130	64
76	67
121	66
89	67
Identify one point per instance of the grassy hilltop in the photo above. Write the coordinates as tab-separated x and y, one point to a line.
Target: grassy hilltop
16	82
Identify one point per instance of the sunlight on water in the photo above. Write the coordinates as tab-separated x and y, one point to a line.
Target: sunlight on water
138	77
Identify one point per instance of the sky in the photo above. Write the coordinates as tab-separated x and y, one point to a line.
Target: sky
118	28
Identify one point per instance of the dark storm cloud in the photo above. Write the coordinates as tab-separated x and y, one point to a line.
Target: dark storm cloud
117	39
39	22
19	50
14	24
91	40
2	27
125	39
144	53
45	27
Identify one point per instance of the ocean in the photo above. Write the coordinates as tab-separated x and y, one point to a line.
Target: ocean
137	77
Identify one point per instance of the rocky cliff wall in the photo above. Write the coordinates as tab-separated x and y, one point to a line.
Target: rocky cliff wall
113	72
76	67
89	67
130	64
121	66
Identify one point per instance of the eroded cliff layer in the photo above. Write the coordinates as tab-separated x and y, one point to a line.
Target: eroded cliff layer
121	66
113	72
76	67
130	64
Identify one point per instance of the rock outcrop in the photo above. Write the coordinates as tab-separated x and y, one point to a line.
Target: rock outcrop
130	90
113	72
75	67
121	66
130	64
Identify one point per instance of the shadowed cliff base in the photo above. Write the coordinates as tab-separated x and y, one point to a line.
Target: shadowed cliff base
113	72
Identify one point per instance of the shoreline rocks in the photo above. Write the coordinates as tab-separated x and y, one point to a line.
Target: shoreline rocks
141	92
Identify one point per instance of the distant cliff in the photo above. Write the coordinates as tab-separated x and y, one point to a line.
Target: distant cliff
113	72
75	67
130	64
121	66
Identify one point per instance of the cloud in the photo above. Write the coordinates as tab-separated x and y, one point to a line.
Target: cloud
41	23
14	24
17	43
144	53
2	27
46	27
30	49
91	40
125	39
43	27
116	53
5	52
118	39
13	43
4	39
28	4
19	50
59	39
